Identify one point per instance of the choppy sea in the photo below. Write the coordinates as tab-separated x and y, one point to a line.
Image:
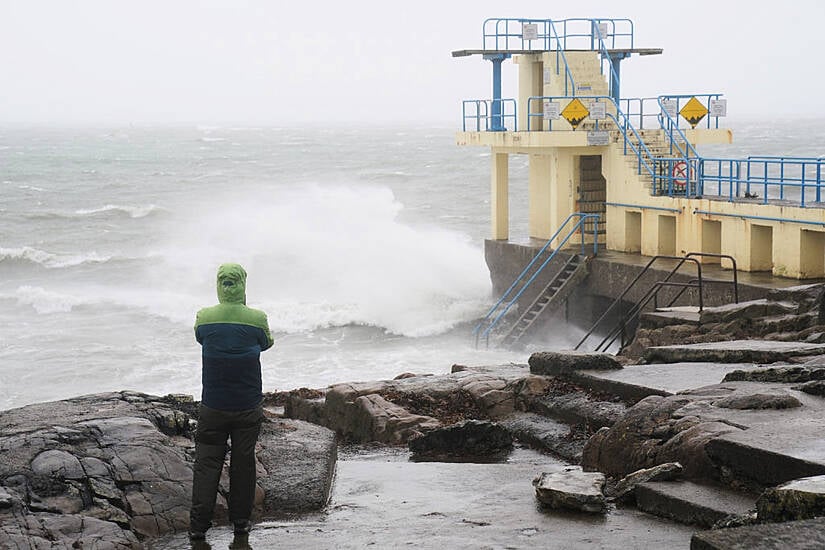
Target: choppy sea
363	245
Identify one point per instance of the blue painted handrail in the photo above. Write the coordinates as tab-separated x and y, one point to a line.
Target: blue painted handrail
480	110
507	34
503	33
511	296
797	179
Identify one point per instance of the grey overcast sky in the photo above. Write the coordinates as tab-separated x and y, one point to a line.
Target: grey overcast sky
370	62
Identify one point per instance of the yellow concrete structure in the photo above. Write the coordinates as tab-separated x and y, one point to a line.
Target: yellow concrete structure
786	239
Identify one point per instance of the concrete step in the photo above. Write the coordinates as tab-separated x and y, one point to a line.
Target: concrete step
578	408
735	351
635	382
772	453
807	534
669	316
692	503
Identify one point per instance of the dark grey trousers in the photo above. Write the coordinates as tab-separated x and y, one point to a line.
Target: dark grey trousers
214	428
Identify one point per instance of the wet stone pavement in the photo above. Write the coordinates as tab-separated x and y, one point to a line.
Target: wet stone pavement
380	499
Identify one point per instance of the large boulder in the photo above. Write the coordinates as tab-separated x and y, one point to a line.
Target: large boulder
655	431
108	470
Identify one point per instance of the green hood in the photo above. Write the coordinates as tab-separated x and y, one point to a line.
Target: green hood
231	284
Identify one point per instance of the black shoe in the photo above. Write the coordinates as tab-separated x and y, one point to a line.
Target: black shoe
243	527
197	535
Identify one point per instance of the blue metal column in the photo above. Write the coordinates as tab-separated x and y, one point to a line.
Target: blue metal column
615	84
496	123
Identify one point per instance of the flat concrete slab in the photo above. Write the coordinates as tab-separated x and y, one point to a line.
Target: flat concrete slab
384	502
735	351
692	503
799	535
635	382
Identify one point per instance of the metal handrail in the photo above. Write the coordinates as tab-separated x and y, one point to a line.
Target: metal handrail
651	294
486	114
735	280
766	174
654	259
578	226
502	33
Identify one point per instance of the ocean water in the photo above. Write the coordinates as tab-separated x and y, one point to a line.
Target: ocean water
363	245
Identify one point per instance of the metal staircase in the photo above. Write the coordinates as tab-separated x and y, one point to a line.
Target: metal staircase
574	225
549	299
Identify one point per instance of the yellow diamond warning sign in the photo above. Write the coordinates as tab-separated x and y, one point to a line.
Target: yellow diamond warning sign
575	112
693	111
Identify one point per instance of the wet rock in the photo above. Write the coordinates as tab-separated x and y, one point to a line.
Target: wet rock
798	499
103	471
376	419
816	387
756	401
805	534
6	498
807	297
465	440
572	489
547	435
623	490
746	310
393	411
552	363
296	466
789	374
578	408
656	430
59	464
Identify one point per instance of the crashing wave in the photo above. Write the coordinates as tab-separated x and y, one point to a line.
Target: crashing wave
49	260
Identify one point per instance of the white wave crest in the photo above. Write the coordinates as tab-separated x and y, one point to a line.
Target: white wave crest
132	211
49	260
45	301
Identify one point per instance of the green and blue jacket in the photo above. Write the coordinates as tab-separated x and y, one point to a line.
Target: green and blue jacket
232	337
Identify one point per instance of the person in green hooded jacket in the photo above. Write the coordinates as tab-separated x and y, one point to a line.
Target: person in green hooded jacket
232	337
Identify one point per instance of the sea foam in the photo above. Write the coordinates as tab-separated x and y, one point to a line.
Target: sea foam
332	255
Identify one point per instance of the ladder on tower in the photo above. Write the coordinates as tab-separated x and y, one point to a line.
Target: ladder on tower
549	299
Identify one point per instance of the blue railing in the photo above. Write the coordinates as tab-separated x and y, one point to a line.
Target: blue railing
562	34
525	278
510	34
794	179
480	114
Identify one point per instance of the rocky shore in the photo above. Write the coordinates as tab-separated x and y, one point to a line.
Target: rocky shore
713	420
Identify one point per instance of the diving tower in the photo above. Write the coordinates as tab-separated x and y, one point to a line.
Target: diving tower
630	165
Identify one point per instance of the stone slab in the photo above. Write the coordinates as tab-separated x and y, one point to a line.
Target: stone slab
692	503
635	382
664	318
735	351
771	453
799	535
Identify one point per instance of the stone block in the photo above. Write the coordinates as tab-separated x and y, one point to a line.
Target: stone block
572	489
552	363
798	499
